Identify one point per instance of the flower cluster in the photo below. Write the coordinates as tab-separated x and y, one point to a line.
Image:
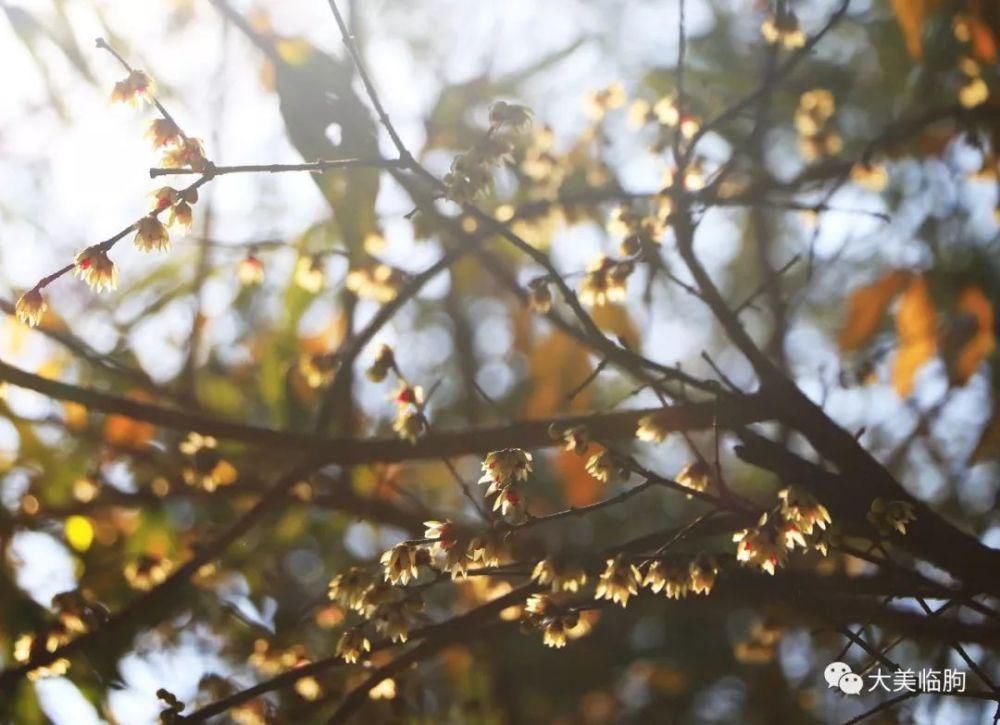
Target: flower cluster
380	282
96	269
654	427
605	281
891	516
309	273
207	469
543	611
799	521
471	173
598	103
28	647
503	470
974	91
619	581
410	422
540	295
250	270
783	29
812	121
640	233
695	476
31	307
137	86
384	362
147	572
561	576
605	467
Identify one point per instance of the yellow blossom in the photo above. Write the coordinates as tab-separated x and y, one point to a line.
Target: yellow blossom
559	576
96	269
618	582
309	273
506	466
250	271
891	516
136	86
31	307
163	132
151	235
352	645
400	563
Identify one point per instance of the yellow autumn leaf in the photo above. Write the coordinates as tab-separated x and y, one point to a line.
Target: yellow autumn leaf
866	307
75	416
294	51
614	318
911	14
558	365
972	301
916	325
79	532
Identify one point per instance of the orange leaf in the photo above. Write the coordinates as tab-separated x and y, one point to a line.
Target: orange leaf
911	14
127	432
866	308
972	301
981	35
916	324
614	318
580	488
558	365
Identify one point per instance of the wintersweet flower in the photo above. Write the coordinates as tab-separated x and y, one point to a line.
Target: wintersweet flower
801	508
138	85
163	198
400	563
163	132
540	296
490	549
695	476
605	281
603	466
505	467
151	235
783	29
509	503
561	577
180	215
891	516
762	546
409	424
652	428
208	468
514	115
384	361
96	269
352	645
147	572
443	533
31	307
702	570
349	588
619	581
250	271
309	273
187	154
671	579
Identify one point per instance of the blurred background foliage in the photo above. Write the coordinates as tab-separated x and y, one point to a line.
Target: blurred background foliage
888	317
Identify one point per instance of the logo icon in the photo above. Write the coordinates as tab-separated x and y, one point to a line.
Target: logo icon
840	675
